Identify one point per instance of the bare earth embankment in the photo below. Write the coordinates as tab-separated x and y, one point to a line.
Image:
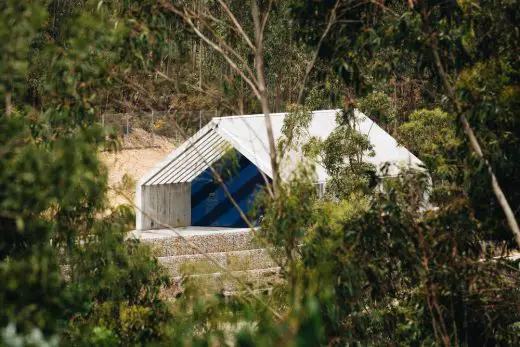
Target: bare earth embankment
127	166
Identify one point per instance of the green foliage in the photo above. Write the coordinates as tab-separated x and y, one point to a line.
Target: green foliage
113	286
489	93
432	135
228	165
50	191
344	155
392	49
427	291
62	254
21	21
11	338
285	225
429	260
380	271
294	128
379	106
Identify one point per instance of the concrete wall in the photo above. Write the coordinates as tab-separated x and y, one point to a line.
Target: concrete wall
167	203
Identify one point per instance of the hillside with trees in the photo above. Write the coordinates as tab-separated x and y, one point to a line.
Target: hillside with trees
359	266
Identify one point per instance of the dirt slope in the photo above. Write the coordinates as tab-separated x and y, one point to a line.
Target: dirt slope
127	166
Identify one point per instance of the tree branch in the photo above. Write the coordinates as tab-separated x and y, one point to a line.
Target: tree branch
258	84
237	25
227	47
8	105
332	19
263	96
215	46
264	21
474	143
197	88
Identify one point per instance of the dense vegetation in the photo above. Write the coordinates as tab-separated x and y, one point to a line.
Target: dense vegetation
363	266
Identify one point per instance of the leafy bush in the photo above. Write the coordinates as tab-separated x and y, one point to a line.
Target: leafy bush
378	106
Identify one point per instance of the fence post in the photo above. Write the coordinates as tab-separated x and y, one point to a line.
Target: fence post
177	133
127	126
104	131
153	130
200	119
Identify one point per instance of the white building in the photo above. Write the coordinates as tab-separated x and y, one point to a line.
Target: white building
181	191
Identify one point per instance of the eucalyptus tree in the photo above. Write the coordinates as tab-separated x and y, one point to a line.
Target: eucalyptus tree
67	269
443	46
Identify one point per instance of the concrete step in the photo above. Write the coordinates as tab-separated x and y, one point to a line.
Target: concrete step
258	279
249	259
244	293
165	242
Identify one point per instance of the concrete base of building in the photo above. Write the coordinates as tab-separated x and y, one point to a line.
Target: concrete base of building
217	260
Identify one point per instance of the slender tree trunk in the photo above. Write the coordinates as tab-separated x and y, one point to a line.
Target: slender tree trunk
200	47
473	141
278	99
255	79
241	98
200	65
194	55
262	89
310	65
8	104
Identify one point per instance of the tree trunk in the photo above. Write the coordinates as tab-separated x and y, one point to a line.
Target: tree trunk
264	101
473	141
278	100
8	105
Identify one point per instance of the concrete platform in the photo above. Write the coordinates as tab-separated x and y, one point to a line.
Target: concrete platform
258	279
172	242
251	259
233	248
184	231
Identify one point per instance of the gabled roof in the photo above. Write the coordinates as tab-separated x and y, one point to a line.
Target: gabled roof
248	135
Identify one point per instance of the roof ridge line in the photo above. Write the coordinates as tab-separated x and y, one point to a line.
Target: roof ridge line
277	114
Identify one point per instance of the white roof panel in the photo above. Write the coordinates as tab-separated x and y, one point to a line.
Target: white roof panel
248	135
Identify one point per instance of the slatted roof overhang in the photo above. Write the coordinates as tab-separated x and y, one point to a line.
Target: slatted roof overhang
191	159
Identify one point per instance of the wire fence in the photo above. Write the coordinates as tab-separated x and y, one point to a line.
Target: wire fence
152	129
